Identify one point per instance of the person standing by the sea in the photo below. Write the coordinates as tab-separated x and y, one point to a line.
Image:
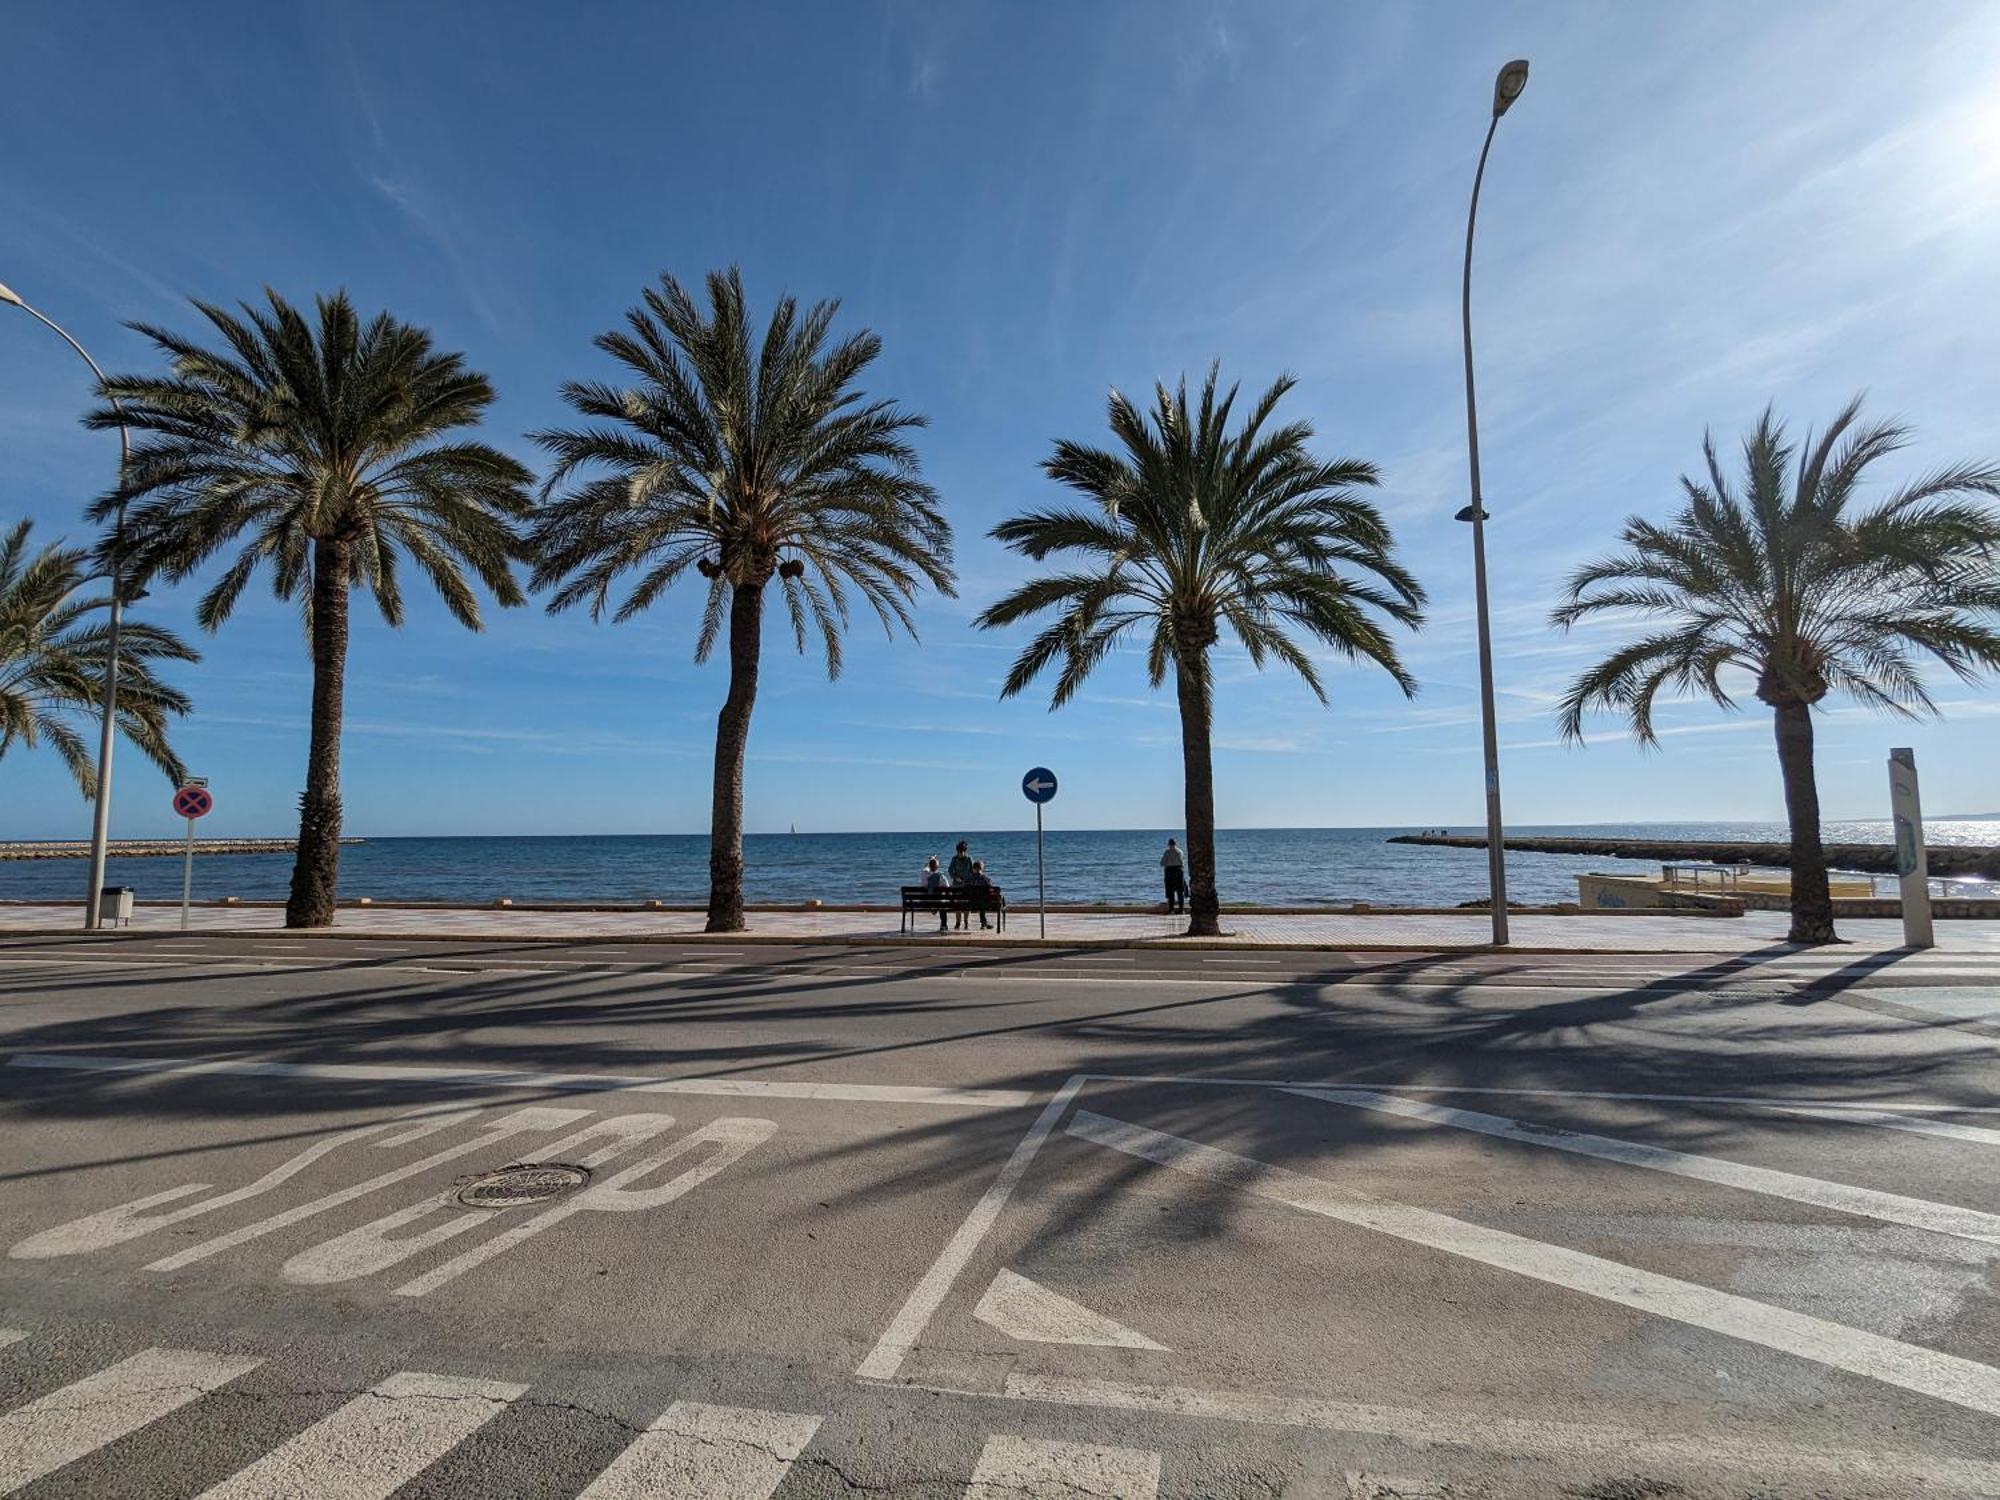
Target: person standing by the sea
1175	869
960	872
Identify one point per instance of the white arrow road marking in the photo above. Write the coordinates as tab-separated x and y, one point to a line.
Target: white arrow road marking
698	1452
1891	1208
1962	1382
732	1137
128	1221
64	1425
1011	1467
1028	1311
901	1336
521	1122
374	1445
364	1251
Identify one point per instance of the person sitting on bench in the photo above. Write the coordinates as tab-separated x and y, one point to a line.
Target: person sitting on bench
981	890
934	882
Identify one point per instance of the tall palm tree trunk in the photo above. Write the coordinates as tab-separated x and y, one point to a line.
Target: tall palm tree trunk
316	870
1812	900
1198	782
732	739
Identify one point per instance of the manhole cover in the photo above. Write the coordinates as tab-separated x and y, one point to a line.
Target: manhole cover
524	1182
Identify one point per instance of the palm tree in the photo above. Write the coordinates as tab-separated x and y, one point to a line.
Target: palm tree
328	452
1786	582
52	653
724	453
1189	528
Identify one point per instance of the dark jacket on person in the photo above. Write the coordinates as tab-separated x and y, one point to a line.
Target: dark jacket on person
961	868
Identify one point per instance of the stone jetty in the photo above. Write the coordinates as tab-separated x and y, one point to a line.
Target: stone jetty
148	848
1877	859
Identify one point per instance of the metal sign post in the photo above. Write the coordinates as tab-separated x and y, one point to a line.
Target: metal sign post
1912	864
1039	786
190	801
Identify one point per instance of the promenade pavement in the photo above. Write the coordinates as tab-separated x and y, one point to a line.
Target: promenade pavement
1579	933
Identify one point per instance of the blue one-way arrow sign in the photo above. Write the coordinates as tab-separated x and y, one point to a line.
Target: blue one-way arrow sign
1039	785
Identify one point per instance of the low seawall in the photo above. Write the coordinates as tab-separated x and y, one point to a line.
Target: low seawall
1876	859
149	848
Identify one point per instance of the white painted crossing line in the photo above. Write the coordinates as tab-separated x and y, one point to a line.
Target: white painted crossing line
1890	1208
1011	1467
80	1418
1981	1134
1763	1101
374	1445
699	1452
504	1078
1962	1382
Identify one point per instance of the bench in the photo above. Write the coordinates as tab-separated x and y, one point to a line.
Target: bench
922	899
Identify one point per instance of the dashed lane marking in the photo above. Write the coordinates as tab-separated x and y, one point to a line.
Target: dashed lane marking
700	1452
723	1088
1011	1467
65	1425
375	1444
1890	1208
1962	1382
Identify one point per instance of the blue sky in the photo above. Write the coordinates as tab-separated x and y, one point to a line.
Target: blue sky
1694	210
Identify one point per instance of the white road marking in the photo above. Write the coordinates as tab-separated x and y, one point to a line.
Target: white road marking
726	1088
82	1417
11	1336
1089	959
128	1221
1757	1102
732	1137
1962	1382
531	1121
1242	961
901	1336
1890	1208
374	1445
1982	1135
1010	1467
368	1249
1561	1441
442	1119
1028	1311
699	1452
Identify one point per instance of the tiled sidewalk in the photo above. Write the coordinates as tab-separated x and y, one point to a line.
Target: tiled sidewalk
1603	934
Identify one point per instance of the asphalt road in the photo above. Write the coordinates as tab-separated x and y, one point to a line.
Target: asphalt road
851	1221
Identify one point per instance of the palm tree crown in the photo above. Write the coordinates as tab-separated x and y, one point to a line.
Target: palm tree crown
325	449
1786	580
294	438
724	453
1191	528
52	654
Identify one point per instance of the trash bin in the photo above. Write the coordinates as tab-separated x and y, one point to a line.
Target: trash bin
114	906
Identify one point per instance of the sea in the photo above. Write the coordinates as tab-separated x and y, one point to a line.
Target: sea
1285	867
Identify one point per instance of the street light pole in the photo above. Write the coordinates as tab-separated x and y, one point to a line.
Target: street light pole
1506	89
100	821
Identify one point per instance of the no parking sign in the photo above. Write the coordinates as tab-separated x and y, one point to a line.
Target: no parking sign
191	801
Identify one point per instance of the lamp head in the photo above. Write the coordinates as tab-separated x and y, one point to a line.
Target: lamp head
8	294
1507	87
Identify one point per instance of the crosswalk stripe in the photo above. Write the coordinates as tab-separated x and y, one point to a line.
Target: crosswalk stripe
1010	1467
1981	1134
699	1452
80	1418
1891	1208
375	1444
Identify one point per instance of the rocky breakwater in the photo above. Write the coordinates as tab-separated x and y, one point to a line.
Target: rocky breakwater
1971	860
147	848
